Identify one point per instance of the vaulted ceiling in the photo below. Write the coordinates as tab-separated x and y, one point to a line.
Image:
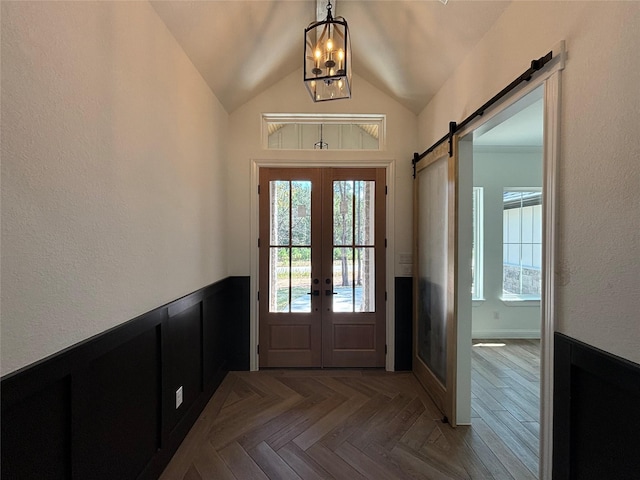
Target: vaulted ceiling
406	48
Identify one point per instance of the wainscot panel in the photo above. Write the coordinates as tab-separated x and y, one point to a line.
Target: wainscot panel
404	323
36	441
596	418
115	404
184	360
106	408
238	313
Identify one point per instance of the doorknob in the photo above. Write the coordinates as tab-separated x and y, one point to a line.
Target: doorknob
315	293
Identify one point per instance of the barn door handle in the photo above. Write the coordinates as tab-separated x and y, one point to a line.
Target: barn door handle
315	293
328	293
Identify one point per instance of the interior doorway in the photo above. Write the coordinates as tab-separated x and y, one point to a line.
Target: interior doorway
322	267
499	304
455	207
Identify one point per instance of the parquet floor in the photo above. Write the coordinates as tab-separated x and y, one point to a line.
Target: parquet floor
352	424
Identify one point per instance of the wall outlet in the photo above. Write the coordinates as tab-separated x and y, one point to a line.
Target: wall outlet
178	397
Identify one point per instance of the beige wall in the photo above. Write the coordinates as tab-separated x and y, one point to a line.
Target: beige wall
120	167
290	96
113	173
597	273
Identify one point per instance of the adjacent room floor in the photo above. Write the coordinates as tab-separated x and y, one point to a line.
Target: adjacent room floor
369	424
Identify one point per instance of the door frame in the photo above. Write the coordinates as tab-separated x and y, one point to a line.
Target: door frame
550	78
389	166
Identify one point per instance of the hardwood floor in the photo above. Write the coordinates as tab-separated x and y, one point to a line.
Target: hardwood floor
505	402
370	424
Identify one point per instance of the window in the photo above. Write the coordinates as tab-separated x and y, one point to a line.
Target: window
323	132
522	244
477	247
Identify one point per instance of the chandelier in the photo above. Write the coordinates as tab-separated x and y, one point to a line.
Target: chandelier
327	58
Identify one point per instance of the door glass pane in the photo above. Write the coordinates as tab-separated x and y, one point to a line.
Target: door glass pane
300	279
365	280
301	213
432	267
290	251
280	195
279	279
343	293
364	196
353	229
343	212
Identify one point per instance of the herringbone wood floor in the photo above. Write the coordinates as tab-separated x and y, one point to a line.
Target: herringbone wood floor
347	424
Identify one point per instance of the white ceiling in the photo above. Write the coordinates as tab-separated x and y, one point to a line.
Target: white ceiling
406	48
524	128
519	125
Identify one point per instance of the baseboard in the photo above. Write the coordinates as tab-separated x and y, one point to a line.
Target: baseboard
105	408
506	333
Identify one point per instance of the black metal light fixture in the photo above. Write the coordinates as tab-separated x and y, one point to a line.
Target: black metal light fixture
327	58
321	145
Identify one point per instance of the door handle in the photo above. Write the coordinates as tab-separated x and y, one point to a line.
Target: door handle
315	293
328	293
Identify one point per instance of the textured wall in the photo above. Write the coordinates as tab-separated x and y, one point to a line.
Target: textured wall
113	173
598	269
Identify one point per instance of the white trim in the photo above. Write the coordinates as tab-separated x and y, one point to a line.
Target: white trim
551	160
478	240
549	76
253	279
505	333
390	257
516	301
323	117
389	166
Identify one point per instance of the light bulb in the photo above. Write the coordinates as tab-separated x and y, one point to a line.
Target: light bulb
329	45
317	54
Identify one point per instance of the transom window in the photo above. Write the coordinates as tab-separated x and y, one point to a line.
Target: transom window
323	132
